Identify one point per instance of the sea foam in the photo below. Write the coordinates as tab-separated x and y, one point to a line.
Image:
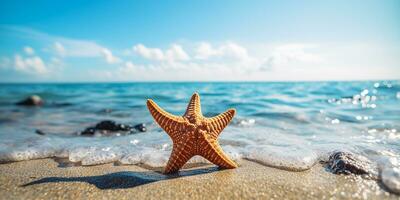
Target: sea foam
153	149
390	174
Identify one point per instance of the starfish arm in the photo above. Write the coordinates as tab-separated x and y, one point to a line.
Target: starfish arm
170	123
194	107
214	153
218	123
180	154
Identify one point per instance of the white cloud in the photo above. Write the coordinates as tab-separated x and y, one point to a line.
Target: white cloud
297	52
29	50
32	65
227	50
163	71
86	49
76	48
174	53
233	50
288	54
129	66
109	57
205	50
148	53
226	61
210	61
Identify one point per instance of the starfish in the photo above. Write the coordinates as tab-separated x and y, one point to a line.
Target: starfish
193	134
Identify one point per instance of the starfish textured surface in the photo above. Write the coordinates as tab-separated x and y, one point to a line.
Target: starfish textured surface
193	134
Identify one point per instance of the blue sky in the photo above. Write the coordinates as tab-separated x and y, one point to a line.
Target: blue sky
76	41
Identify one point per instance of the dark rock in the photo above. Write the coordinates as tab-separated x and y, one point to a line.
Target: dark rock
109	127
140	127
40	132
88	131
33	100
348	163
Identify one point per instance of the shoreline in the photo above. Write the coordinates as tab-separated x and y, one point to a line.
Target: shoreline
45	178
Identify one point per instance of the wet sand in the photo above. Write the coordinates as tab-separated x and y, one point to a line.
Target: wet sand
47	179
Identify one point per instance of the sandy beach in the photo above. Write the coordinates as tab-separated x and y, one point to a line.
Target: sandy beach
47	179
200	100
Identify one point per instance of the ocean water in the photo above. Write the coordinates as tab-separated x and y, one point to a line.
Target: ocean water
291	125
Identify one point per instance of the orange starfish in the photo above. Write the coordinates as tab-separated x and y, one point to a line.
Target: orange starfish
193	134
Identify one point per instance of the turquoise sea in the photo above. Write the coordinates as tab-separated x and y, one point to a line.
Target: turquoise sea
289	125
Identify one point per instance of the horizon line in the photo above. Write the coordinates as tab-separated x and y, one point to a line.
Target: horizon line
212	81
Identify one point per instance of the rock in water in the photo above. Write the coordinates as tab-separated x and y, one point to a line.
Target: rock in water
140	127
33	100
108	127
88	131
348	163
40	132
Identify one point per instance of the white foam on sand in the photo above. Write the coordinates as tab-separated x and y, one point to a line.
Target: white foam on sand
288	158
390	174
153	149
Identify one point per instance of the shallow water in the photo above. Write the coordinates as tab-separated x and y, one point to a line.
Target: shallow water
287	125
